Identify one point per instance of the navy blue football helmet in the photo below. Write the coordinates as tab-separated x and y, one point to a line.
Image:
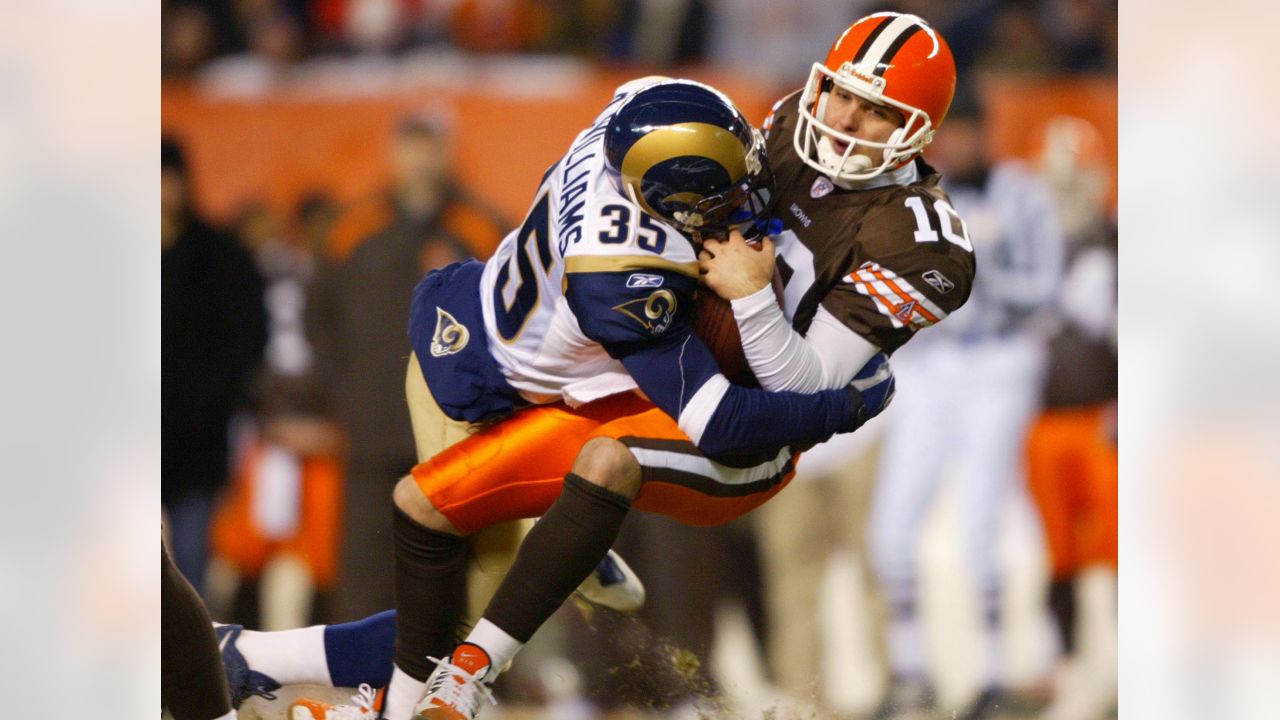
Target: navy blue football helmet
688	156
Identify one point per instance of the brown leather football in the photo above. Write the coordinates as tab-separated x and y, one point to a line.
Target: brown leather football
713	322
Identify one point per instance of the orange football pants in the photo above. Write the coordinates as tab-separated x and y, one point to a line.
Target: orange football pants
1072	471
515	468
236	537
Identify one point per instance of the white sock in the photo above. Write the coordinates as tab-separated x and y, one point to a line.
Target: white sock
906	647
500	646
287	656
402	694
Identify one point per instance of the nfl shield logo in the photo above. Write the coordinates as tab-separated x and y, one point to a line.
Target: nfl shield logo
821	187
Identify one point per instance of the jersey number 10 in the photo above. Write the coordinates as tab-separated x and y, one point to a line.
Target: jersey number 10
947	216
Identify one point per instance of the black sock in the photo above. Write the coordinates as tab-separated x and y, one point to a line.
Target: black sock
1062	603
192	681
431	594
557	555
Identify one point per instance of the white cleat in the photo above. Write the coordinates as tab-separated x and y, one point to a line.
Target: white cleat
614	585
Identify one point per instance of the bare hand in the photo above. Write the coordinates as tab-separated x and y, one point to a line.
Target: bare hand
734	268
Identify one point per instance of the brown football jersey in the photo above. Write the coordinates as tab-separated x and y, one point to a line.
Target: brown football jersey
886	261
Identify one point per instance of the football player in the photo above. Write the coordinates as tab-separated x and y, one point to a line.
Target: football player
872	250
523	386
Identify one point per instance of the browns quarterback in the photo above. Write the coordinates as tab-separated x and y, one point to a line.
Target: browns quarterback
871	250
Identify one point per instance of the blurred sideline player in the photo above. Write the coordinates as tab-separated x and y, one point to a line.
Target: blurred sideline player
1072	458
520	362
972	392
871	252
278	527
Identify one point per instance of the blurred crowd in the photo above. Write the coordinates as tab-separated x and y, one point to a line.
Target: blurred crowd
285	425
277	39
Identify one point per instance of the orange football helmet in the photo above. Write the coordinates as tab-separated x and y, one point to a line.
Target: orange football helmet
890	59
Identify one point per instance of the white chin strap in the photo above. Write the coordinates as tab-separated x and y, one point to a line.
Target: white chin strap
837	162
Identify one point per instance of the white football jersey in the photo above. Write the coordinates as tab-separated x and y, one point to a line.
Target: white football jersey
580	221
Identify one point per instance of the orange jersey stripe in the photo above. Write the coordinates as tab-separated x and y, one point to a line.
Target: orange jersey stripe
879	273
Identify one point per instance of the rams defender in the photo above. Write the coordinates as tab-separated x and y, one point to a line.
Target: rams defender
523	361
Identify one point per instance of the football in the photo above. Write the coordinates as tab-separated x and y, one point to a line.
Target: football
714	324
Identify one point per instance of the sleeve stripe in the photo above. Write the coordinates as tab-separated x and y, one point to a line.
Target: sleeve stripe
695	415
868	288
910	294
625	263
883	286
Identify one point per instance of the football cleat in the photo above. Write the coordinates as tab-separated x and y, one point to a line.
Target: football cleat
614	585
456	688
242	681
365	705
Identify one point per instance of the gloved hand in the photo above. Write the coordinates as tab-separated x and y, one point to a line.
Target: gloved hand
874	386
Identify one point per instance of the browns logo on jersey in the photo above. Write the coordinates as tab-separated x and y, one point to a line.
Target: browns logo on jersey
886	261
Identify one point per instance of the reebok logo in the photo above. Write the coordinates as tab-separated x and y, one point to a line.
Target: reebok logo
938	281
644	280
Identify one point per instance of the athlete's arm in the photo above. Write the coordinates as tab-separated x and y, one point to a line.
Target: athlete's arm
647	330
783	359
780	358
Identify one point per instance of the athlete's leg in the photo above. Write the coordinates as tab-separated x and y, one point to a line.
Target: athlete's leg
192	684
642	458
508	471
1005	391
1054	476
917	439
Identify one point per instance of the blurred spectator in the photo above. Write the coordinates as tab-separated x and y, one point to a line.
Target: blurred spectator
317	212
274	42
494	26
188	40
278	528
1072	458
1084	32
659	32
1017	41
744	31
213	328
379	249
1031	35
379	26
967	392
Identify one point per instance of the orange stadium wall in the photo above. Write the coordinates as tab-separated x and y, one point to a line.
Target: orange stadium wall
280	147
